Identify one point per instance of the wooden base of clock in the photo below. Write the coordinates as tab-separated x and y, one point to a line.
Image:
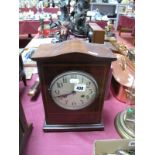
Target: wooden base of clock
73	127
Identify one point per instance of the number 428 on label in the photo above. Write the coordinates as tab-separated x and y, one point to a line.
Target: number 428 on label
80	87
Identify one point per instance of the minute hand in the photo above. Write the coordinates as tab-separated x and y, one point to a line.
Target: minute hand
65	95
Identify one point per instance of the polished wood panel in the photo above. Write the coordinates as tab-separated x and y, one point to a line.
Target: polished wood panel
73	55
96	52
98	33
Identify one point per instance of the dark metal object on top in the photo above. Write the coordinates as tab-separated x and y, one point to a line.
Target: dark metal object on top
78	18
64	11
76	21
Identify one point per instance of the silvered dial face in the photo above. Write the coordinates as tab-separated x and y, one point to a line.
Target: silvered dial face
73	90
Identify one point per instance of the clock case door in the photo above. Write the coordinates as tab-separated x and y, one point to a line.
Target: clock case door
49	66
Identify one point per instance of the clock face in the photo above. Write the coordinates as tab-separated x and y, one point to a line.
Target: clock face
73	90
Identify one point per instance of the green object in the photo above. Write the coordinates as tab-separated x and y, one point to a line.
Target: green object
124	123
130	110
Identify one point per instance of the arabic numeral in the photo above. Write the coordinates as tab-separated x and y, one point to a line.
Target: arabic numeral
82	101
73	103
87	97
91	91
73	76
57	92
88	84
59	85
82	79
64	80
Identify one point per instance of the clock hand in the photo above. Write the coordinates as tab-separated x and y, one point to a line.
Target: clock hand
65	95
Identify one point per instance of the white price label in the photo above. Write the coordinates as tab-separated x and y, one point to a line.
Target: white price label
74	81
80	87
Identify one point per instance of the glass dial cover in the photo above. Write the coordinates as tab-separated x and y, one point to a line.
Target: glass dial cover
73	90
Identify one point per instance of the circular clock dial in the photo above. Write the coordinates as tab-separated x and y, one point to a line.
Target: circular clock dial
73	90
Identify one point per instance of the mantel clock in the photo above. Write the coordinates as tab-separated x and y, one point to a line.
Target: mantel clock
73	76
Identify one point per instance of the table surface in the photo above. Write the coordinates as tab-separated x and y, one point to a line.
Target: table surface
58	143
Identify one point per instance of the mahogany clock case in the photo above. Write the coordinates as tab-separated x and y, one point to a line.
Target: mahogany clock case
75	55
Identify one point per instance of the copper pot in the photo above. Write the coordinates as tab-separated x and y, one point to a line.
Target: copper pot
123	79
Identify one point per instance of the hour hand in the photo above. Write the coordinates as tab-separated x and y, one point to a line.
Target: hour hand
65	95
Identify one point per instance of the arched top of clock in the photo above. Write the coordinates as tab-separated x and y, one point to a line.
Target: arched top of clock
73	46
